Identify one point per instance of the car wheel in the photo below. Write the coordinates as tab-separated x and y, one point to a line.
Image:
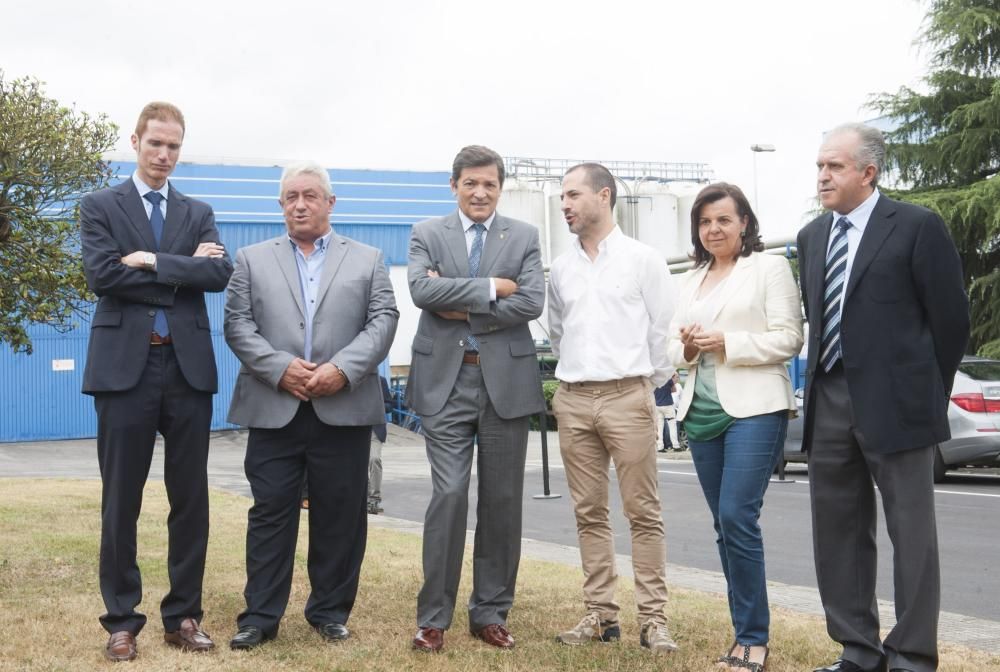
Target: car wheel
940	468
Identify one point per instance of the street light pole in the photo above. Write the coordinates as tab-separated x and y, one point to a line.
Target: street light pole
757	149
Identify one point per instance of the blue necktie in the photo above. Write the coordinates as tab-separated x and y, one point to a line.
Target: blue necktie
475	256
836	275
156	221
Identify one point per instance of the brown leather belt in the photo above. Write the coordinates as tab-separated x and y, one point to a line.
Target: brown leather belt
471	358
156	339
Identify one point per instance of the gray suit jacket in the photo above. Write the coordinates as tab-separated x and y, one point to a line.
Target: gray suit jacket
507	351
353	327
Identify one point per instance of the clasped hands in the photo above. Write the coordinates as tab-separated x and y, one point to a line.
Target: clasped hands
696	340
207	249
504	288
308	380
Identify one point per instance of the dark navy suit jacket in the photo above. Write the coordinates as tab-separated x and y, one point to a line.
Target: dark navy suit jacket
113	224
904	325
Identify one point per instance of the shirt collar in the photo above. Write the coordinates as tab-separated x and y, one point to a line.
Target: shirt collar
144	188
467	223
860	215
321	243
608	243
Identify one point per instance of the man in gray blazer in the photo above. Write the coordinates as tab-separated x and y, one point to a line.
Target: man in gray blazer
310	315
477	276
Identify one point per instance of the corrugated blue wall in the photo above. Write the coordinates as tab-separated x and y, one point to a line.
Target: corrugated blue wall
376	207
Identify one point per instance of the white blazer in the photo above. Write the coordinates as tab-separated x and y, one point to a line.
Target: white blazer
760	314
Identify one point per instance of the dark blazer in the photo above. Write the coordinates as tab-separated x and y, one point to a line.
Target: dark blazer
113	224
904	326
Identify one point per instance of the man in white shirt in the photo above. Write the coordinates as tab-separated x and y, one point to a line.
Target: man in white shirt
610	303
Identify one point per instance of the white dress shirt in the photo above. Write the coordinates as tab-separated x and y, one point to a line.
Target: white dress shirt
609	318
144	189
858	217
470	238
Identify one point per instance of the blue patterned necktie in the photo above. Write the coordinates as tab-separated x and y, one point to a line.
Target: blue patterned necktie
156	221
836	275
475	256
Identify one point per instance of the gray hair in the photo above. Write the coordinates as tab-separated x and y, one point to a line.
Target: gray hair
293	170
871	147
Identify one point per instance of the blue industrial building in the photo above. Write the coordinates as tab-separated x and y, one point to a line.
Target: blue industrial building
40	393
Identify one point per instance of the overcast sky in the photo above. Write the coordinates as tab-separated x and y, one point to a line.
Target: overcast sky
397	84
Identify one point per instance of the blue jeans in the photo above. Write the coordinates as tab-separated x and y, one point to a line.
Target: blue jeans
734	469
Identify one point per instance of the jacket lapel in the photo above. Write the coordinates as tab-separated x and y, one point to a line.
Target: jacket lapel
454	236
496	239
880	225
285	257
735	283
130	202
335	255
817	269
177	211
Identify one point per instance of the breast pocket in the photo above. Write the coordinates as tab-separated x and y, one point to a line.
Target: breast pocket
886	281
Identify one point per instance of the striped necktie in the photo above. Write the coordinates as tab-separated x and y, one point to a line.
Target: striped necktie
475	256
833	292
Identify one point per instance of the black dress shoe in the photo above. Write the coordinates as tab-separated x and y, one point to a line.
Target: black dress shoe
248	637
841	665
333	632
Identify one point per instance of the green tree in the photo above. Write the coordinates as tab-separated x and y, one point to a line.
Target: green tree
946	149
49	155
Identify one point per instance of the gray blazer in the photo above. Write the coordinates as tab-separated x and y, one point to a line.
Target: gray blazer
507	351
353	327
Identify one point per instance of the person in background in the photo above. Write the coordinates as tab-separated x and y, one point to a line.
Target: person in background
738	321
380	432
665	411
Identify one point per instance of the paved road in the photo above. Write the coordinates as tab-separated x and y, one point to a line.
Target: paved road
967	507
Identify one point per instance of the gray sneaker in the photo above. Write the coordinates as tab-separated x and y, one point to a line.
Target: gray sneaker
591	629
655	637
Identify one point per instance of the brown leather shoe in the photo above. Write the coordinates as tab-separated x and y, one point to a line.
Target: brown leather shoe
120	647
429	640
496	635
189	637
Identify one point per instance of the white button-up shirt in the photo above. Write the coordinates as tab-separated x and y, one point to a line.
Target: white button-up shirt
470	238
858	217
609	318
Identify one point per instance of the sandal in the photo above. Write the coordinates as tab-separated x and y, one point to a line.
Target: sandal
745	661
727	659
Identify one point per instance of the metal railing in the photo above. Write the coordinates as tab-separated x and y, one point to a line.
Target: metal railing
655	171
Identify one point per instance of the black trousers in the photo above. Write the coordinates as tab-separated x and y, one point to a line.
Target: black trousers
841	475
334	462
127	423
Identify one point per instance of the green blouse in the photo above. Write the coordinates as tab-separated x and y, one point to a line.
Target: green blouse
705	419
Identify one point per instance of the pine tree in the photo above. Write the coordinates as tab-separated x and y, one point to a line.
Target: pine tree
946	149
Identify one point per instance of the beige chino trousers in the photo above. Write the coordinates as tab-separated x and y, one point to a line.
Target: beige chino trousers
600	422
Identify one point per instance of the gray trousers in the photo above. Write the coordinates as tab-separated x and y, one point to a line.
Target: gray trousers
844	515
467	419
375	471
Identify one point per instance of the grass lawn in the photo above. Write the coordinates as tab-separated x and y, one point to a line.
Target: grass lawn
50	601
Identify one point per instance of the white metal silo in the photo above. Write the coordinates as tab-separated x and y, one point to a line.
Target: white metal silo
559	238
524	200
656	216
686	193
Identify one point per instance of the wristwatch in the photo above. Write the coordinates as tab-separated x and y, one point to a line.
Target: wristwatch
148	261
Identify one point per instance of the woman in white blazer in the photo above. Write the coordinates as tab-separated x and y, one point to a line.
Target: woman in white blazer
737	322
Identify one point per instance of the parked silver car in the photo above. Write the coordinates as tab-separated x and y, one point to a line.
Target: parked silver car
973	414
